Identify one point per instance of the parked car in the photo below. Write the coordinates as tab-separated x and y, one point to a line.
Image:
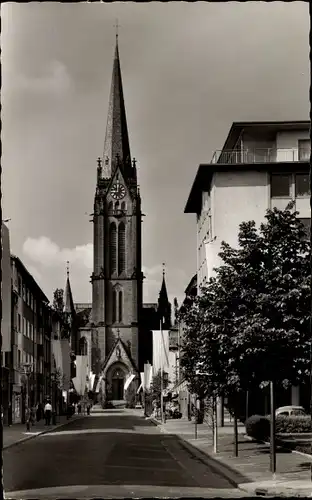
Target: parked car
290	411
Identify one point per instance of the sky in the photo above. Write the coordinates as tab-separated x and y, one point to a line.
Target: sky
189	70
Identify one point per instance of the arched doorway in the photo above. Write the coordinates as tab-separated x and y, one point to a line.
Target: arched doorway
118	382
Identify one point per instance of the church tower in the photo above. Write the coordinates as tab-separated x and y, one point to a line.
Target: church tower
117	269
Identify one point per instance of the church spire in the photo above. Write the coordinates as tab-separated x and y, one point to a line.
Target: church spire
69	302
164	306
116	145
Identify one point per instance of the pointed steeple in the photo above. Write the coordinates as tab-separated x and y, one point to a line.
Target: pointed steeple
116	145
164	306
69	303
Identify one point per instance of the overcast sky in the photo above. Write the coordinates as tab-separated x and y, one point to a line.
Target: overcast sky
189	71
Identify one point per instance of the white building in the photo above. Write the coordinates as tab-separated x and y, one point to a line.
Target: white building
261	165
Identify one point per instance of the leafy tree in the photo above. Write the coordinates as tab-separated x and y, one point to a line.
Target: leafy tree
176	309
250	324
155	389
58	300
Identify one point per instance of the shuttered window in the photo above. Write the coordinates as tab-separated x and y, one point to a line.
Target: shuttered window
113	248
121	248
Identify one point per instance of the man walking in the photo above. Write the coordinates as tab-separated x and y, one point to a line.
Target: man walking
48	413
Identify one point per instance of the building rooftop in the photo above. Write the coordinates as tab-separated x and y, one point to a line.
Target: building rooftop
261	159
23	269
238	127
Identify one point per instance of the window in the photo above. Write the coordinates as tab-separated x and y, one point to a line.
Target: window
112	247
19	357
24	326
117	206
121	248
304	149
19	325
114	306
123	205
280	185
307	224
19	286
120	304
302	184
35	306
24	292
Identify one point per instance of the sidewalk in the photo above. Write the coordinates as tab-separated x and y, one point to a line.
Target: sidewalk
18	433
250	471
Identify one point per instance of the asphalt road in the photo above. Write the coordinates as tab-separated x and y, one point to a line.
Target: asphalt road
114	453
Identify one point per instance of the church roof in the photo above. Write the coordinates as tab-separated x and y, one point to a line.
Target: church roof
116	138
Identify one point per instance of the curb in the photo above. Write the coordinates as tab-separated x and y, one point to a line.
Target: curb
216	465
45	431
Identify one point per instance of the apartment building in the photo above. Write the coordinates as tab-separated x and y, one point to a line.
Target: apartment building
261	165
31	341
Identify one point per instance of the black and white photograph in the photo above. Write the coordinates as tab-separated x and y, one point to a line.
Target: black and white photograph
156	250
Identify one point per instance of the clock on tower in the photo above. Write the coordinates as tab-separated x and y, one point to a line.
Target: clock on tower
118	191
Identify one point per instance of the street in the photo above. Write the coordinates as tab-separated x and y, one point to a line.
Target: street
111	453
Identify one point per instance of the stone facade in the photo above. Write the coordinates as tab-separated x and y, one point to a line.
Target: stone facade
117	273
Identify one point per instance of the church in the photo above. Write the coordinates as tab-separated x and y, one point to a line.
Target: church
116	331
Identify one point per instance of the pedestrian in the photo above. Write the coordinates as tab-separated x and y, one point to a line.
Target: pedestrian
79	408
48	413
88	408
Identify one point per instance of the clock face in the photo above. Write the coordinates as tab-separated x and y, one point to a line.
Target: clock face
118	191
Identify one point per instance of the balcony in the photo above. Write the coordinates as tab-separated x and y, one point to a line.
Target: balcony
261	155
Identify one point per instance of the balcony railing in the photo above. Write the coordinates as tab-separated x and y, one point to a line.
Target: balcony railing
260	155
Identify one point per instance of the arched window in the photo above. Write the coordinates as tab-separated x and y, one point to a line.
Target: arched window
120	308
121	248
123	205
114	318
110	207
113	247
117	205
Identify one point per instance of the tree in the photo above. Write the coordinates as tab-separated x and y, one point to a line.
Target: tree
176	309
250	324
155	389
58	300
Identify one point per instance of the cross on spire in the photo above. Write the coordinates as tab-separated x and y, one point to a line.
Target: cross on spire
117	26
67	268
164	265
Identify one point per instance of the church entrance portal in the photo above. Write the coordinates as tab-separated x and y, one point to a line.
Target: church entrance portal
118	381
